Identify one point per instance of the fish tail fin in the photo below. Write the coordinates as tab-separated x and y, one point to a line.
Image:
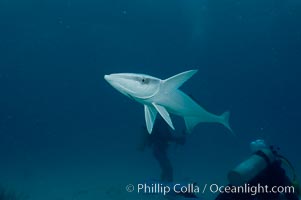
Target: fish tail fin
224	119
192	121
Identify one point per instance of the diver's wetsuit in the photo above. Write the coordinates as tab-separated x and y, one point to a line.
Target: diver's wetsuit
159	141
274	175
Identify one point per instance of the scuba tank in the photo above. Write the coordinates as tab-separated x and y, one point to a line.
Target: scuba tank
262	156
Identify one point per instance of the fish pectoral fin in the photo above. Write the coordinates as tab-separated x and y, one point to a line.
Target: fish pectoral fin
150	117
176	81
165	115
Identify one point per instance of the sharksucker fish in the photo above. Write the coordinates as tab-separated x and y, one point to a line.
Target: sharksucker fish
164	97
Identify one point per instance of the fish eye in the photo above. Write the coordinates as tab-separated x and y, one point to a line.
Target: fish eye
144	80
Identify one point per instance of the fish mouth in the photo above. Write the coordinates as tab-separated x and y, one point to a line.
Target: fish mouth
107	78
119	87
113	80
110	80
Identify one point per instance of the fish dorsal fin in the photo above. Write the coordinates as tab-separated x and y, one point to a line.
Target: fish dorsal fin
165	115
150	117
176	81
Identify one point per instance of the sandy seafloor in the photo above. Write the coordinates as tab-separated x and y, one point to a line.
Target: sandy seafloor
88	182
91	175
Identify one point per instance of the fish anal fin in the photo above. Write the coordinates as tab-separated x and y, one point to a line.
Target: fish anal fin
191	122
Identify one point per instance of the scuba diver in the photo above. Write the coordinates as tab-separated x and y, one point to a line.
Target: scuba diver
159	142
265	168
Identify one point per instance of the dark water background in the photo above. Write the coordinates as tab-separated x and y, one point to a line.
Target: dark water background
58	113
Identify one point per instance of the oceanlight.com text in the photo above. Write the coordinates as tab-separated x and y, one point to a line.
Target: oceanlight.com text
192	188
251	189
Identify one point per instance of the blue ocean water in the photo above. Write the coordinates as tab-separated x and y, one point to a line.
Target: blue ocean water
65	133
